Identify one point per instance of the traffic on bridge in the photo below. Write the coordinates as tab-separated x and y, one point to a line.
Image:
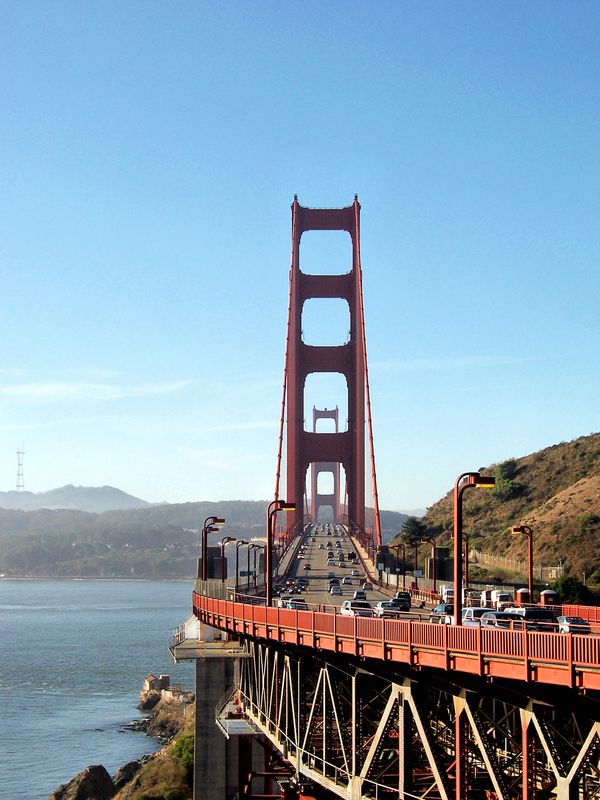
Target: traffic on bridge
342	687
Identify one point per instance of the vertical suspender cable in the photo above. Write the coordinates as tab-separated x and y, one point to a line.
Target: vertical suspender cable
285	362
366	369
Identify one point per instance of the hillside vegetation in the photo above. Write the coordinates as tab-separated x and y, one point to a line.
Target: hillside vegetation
555	491
159	541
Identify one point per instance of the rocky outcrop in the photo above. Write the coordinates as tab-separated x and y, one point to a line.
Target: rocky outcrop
94	783
149	699
126	773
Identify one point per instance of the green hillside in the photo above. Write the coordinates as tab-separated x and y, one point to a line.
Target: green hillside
159	541
555	491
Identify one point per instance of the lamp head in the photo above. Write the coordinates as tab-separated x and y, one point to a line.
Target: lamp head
483	481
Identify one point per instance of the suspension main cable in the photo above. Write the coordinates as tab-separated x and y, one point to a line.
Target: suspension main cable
366	370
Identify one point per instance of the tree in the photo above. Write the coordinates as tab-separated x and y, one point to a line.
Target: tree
571	590
414	528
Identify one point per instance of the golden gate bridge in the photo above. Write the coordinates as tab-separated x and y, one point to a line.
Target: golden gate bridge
316	702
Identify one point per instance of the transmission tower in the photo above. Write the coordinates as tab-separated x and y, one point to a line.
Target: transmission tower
20	481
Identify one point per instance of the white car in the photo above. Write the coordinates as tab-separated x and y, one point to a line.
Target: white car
384	608
355	573
335	590
356	608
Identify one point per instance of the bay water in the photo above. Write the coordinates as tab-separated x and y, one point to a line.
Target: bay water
73	658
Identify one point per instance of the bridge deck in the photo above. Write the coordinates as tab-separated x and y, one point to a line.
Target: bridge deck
551	658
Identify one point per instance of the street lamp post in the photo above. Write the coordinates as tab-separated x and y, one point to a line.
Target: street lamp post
254	548
397	548
431	540
463	482
237	560
211	525
466	568
415	544
529	533
226	540
272	509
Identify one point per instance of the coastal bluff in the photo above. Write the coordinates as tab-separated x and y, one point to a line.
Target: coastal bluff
171	721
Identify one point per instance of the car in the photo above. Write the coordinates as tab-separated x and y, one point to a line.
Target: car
334	582
367	585
307	566
386	608
359	595
471	616
570	624
297	605
355	573
335	590
321	546
300	556
440	611
331	575
535	617
330	562
402	600
356	608
500	619
283	600
347	581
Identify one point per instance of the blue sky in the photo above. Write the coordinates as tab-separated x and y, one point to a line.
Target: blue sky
149	154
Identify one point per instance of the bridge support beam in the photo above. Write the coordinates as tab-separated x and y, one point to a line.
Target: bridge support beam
361	731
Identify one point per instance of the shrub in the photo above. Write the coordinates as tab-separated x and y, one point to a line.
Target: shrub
183	751
506	488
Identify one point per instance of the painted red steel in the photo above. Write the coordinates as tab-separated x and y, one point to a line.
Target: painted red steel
552	658
318	500
304	447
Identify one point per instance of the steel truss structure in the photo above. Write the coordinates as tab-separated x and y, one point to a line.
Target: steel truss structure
372	733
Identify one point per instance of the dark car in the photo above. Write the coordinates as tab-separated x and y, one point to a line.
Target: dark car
402	601
536	618
441	611
500	619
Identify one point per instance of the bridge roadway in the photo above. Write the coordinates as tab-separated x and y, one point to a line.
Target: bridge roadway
561	660
310	562
371	709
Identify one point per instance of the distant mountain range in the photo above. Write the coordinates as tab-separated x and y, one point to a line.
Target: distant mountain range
106	533
94	499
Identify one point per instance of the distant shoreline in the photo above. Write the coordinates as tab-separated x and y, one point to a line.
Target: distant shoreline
91	578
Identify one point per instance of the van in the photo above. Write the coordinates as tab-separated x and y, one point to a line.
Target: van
447	593
536	618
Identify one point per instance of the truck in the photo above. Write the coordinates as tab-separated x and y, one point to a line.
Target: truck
496	599
447	593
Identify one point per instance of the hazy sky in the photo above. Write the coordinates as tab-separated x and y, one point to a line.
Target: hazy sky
150	152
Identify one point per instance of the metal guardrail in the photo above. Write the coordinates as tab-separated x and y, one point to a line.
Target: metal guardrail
564	660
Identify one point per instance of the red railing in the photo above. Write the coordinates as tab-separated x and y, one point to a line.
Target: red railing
560	659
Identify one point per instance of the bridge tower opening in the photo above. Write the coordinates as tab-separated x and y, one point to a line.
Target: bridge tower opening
325	501
327	451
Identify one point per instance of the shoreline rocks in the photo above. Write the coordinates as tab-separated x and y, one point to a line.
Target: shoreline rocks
95	782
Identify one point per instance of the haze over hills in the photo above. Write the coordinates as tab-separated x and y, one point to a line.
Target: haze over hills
156	541
556	491
82	498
